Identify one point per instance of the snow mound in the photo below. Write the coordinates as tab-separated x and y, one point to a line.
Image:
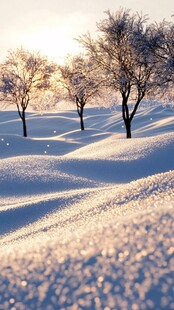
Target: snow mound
86	218
123	257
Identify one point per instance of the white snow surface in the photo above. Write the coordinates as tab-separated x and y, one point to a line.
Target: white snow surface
87	218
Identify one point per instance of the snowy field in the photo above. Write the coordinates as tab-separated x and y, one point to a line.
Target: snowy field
87	218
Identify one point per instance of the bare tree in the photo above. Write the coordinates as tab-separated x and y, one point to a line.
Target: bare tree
124	50
81	82
165	55
24	75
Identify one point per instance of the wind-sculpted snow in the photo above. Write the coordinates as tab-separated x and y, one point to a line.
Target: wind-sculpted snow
107	256
32	174
90	223
116	149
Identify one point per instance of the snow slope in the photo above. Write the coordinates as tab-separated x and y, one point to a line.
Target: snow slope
87	218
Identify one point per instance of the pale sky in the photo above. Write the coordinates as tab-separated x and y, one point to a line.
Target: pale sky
50	26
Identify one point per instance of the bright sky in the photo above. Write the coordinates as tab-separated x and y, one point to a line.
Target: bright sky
50	26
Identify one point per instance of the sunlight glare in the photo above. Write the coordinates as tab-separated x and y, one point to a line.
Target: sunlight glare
54	44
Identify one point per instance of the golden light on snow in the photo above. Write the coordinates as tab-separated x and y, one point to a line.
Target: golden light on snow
12	301
24	283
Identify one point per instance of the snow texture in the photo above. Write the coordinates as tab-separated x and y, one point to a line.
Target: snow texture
87	218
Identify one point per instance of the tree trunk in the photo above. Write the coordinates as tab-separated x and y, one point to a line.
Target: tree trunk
128	129
126	116
80	106
81	119
24	124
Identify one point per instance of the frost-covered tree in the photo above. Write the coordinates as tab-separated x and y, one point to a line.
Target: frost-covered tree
23	78
165	55
169	51
81	82
124	50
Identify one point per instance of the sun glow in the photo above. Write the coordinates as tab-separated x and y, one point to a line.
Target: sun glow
54	44
58	38
50	27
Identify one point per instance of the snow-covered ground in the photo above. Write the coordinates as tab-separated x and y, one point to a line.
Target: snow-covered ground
87	218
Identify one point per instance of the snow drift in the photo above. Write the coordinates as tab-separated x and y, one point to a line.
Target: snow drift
86	218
